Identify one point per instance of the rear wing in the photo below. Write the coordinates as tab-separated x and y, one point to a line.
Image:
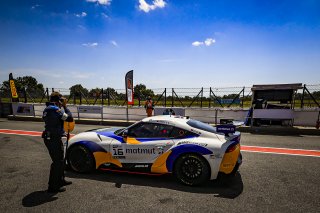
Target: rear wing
229	128
226	129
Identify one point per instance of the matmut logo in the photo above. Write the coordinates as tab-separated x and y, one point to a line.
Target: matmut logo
151	151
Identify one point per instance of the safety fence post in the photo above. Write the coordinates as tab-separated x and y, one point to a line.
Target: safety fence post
201	97
102	99
172	99
312	97
302	97
216	117
216	98
80	97
139	100
196	97
174	93
165	97
47	91
25	95
210	98
242	97
237	96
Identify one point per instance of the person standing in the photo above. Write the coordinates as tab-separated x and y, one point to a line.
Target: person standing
54	115
148	105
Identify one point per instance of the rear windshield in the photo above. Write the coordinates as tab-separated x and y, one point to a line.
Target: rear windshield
201	125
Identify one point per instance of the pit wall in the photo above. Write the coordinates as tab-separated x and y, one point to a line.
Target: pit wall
300	117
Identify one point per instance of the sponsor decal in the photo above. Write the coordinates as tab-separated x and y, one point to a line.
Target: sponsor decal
226	128
119	157
14	93
151	151
194	143
141	166
119	152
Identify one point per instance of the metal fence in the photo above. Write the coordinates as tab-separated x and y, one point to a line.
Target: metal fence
226	97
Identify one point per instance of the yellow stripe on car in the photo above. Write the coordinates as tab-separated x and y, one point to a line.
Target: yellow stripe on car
229	160
159	165
105	157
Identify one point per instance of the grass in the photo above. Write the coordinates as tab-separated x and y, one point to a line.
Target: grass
176	103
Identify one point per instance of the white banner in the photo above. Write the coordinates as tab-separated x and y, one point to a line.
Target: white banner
273	113
90	109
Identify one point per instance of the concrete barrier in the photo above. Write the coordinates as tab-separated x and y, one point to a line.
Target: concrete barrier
301	117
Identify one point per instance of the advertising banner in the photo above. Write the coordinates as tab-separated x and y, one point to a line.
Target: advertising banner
129	87
13	89
22	109
90	109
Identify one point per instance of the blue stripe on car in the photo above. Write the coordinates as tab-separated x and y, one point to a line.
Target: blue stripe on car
185	148
94	147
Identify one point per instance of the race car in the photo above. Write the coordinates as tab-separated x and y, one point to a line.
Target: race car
192	151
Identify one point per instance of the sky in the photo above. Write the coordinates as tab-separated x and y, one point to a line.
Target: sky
168	43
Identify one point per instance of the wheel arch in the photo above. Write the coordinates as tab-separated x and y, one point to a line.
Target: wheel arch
185	149
86	146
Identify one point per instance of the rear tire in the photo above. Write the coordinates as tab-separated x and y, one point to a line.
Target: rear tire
191	169
81	160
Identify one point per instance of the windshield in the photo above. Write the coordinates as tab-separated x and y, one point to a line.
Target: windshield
201	125
117	132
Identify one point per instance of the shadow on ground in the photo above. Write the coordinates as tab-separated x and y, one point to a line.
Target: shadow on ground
225	187
38	198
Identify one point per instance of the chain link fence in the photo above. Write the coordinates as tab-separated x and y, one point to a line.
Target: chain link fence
308	97
212	97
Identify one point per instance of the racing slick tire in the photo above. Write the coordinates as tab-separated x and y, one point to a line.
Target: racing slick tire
191	169
81	160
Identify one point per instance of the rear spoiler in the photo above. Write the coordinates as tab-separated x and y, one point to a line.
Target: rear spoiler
226	129
229	128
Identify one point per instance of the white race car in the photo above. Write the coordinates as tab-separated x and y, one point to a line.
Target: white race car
192	151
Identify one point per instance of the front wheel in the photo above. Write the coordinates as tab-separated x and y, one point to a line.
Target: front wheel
80	159
191	169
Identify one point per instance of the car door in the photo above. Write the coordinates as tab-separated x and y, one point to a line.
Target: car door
144	142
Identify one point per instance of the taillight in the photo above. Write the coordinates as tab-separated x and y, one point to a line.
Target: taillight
231	148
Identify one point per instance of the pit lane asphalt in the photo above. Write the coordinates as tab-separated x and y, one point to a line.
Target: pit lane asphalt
265	183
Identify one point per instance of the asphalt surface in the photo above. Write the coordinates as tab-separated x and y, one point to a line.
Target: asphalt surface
265	183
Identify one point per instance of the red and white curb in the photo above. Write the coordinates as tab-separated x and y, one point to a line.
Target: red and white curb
258	149
281	151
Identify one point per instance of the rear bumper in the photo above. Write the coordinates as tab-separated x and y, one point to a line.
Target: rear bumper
231	161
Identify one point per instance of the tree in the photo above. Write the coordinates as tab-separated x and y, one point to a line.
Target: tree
78	90
112	92
230	96
141	91
316	94
29	83
95	92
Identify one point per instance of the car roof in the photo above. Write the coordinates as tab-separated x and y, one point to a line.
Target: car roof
174	120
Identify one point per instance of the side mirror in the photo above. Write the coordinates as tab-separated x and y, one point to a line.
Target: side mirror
125	133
